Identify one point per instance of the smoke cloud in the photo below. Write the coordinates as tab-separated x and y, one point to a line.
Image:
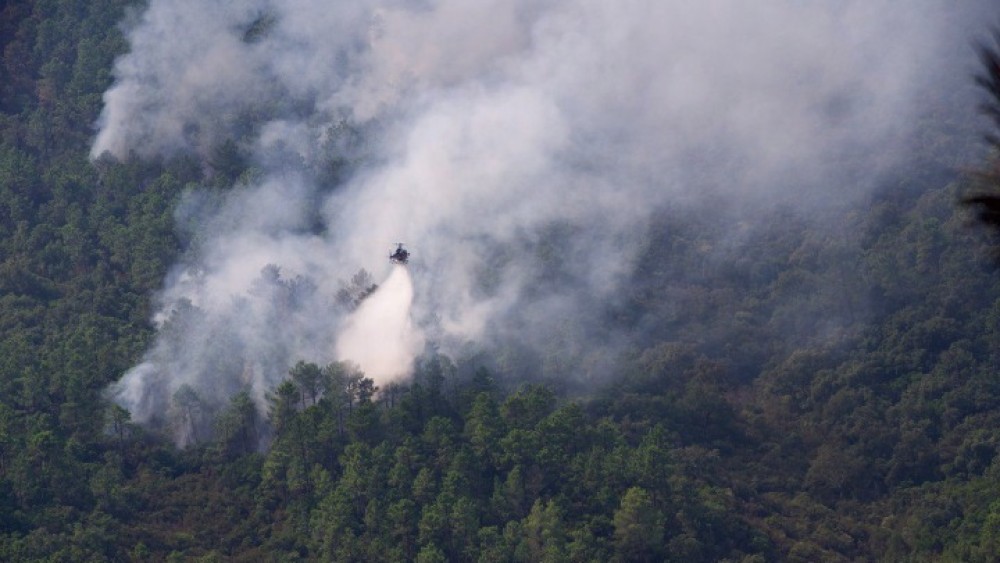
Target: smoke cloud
520	147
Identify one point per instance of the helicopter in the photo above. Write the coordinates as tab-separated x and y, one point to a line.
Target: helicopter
401	256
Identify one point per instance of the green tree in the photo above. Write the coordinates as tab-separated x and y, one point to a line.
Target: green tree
308	378
526	408
189	413
638	527
543	534
236	427
484	427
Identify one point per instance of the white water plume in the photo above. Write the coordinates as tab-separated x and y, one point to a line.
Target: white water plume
379	335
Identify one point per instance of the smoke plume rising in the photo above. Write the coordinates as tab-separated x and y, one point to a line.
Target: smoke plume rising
521	147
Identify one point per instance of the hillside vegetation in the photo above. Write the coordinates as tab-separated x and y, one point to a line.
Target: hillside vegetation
830	395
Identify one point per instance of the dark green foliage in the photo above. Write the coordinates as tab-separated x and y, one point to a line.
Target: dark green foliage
638	527
806	394
350	295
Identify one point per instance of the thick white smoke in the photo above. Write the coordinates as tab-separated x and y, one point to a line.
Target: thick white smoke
502	139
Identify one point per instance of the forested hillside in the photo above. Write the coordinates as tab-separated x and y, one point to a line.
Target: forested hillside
828	390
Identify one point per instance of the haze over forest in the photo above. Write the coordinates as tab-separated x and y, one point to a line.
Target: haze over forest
481	135
688	281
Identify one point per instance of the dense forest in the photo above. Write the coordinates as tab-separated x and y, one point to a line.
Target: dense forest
831	395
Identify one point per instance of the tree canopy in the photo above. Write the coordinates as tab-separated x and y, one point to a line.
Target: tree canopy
823	396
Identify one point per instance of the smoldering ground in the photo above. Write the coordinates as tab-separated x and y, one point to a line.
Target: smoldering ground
521	148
